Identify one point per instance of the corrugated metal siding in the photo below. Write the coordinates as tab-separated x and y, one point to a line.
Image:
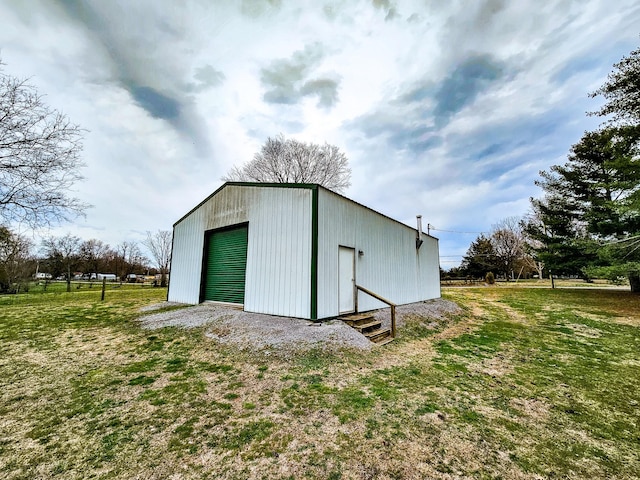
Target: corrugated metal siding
186	259
279	253
391	266
278	275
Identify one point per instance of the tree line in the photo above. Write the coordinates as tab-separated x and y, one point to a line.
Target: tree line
506	251
587	222
67	255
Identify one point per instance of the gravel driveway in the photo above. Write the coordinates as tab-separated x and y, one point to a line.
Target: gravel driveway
256	331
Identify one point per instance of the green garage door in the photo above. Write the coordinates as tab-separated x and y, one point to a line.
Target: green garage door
226	265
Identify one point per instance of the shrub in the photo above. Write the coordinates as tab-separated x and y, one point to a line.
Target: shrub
489	278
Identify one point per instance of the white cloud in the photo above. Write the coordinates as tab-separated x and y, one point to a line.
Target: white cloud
174	95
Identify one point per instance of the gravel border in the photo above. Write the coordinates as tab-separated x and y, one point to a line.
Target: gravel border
256	331
431	312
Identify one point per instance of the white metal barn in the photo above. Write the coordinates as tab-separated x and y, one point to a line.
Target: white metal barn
298	250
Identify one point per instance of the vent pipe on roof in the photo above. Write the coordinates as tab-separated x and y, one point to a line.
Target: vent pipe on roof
419	236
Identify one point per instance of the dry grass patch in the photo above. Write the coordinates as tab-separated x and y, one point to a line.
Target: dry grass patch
501	387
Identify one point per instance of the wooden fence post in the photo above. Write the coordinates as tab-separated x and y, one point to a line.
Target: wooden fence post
104	286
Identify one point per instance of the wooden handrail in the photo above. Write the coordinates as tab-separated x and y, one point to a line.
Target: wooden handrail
382	299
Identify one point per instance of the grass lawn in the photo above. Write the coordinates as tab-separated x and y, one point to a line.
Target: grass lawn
526	383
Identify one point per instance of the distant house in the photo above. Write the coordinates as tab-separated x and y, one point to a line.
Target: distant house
297	250
109	277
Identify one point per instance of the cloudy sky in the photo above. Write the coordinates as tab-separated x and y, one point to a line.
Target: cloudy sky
448	109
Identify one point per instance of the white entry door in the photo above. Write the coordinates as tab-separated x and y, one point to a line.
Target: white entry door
346	279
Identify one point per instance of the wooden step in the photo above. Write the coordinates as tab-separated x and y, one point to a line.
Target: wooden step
368	326
354	319
372	325
379	334
384	341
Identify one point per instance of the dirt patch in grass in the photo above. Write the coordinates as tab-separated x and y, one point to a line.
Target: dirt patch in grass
585	331
534	408
459	328
633	321
498	366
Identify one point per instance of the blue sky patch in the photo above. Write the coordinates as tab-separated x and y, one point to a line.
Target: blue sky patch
157	104
464	84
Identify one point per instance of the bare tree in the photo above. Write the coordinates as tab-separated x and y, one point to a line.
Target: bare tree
111	261
67	249
39	157
283	160
508	243
15	254
159	245
93	254
131	257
